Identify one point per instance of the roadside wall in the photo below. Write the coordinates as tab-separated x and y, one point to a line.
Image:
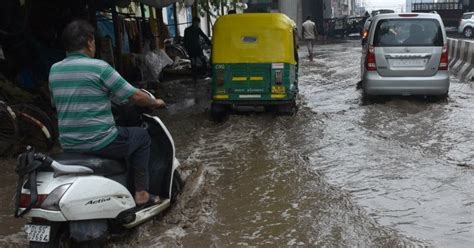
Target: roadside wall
461	59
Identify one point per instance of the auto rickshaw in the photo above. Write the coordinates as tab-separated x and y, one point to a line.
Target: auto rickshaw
254	63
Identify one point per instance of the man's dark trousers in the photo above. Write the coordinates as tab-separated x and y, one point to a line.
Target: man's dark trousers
133	145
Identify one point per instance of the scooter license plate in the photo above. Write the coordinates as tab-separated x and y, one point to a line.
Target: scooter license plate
38	233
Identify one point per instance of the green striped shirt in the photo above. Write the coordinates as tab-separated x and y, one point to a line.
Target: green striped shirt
82	89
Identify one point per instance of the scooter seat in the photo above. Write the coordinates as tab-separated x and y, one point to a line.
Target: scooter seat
100	165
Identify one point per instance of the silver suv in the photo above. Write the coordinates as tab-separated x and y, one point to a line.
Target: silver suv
466	26
405	54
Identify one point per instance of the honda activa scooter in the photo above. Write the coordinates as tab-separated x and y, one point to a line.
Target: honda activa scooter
74	197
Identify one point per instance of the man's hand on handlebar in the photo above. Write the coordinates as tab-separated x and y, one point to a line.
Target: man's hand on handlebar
159	103
144	98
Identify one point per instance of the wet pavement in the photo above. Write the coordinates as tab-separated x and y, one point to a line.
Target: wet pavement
397	172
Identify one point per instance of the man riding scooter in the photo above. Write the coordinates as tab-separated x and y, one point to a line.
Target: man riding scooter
82	88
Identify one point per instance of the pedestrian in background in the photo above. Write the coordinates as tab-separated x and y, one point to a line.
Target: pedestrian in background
326	27
309	34
192	43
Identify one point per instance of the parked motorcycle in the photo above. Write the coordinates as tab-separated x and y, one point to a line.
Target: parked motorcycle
73	197
174	47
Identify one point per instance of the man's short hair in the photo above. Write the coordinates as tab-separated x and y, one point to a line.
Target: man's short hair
76	35
196	20
308	18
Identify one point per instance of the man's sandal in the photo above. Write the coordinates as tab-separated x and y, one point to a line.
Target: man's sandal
153	200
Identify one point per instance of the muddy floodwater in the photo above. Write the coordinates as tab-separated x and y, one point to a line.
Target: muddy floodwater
395	172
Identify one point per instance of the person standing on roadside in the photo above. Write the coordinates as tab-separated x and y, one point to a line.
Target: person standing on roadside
326	27
309	34
192	44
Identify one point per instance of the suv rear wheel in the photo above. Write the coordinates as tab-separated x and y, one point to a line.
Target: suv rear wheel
468	32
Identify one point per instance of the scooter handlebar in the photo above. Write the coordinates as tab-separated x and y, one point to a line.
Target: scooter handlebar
152	96
43	158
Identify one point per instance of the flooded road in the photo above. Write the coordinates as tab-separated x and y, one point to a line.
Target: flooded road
341	173
406	162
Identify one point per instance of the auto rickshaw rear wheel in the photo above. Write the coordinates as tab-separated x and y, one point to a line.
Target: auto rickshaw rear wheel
287	108
218	112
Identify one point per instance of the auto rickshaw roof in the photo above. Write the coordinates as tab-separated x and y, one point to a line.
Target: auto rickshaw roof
254	38
268	20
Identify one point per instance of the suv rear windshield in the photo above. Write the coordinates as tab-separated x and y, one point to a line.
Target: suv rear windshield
408	32
467	16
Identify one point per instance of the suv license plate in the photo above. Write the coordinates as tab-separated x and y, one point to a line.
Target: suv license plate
408	62
38	233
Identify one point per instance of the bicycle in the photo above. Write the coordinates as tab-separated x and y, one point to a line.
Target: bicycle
24	125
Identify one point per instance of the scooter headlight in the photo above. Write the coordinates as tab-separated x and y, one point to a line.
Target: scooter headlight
52	201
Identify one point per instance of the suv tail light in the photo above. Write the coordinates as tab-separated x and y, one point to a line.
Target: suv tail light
408	15
370	63
444	61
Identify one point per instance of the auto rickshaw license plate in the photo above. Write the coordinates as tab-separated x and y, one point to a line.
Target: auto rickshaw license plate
278	89
38	233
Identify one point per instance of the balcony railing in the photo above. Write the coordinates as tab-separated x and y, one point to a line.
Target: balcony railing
436	6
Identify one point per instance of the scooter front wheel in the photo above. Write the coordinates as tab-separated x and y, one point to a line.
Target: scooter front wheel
176	186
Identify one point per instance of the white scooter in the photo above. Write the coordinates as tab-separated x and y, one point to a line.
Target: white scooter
84	198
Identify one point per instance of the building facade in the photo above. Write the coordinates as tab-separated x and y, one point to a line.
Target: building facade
264	5
318	10
339	8
468	4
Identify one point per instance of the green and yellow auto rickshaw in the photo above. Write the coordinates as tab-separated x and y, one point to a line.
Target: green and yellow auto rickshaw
254	63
